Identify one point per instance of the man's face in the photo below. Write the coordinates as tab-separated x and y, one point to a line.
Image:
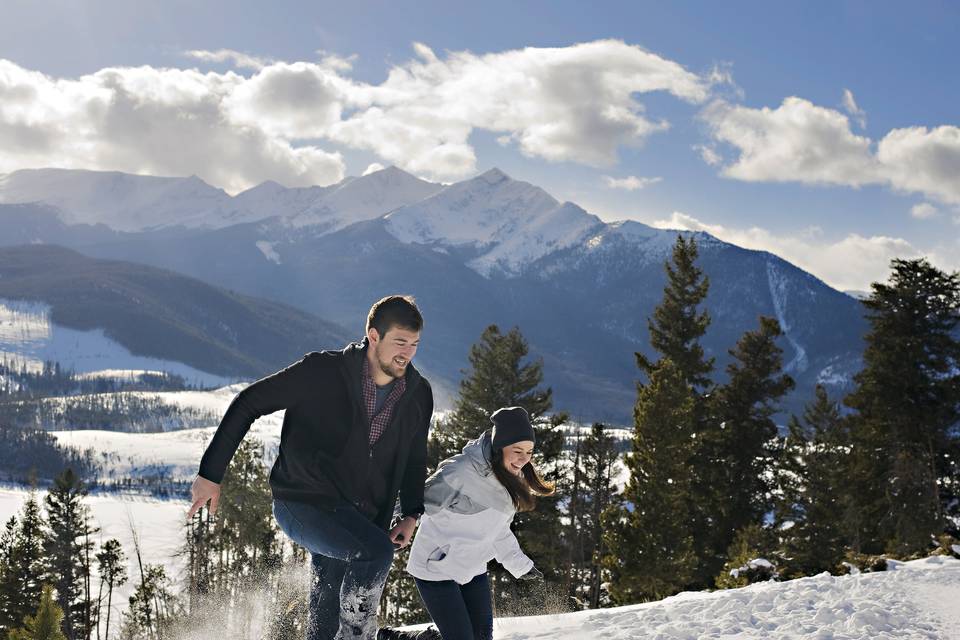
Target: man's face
394	350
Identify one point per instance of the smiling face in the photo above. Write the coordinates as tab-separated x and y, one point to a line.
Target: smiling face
392	352
516	455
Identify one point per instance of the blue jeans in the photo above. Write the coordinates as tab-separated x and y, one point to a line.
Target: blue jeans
460	611
351	557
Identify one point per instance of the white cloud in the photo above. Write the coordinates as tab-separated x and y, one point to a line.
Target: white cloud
851	263
373	167
797	141
236	58
146	120
708	154
577	103
293	101
630	183
574	103
923	210
803	142
923	160
850	106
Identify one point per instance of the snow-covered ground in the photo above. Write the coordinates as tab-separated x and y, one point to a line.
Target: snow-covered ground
174	453
918	599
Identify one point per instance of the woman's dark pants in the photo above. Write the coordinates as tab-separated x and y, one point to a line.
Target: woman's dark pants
460	611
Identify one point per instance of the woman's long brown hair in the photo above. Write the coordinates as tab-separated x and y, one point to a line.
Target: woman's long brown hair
523	491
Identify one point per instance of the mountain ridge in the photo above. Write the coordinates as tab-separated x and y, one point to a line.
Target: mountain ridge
579	288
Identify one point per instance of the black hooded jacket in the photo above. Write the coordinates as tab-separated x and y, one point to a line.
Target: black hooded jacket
324	452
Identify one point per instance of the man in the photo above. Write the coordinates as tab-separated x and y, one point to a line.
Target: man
354	437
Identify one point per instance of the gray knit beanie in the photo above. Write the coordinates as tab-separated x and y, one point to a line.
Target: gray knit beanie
511	425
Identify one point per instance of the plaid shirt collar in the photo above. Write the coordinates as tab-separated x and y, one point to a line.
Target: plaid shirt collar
378	423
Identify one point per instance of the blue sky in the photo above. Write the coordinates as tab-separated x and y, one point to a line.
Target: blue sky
826	132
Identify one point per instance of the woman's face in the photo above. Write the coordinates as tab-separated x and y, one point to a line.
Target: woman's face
516	455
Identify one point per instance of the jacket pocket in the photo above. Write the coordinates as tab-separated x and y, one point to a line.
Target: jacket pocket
438	554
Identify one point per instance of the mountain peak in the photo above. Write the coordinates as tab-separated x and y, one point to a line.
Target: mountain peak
493	176
392	173
511	222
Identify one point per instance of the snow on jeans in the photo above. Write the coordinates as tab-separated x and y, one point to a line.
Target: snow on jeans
351	557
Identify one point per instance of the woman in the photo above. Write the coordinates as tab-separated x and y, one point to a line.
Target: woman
470	502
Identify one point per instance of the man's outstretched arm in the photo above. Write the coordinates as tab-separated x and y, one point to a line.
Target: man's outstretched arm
263	397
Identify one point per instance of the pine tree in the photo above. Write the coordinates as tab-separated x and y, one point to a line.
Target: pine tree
813	503
45	625
68	549
25	567
907	404
676	326
111	566
497	378
743	447
598	455
650	536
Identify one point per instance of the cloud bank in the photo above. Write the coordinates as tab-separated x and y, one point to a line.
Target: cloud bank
288	121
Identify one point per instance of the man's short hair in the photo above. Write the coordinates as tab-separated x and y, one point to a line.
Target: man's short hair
394	311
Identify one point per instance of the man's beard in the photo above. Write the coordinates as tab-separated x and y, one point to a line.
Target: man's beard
390	368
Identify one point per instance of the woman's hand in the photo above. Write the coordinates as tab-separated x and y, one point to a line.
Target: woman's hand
533	574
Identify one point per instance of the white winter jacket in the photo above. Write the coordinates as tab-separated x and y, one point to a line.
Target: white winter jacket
467	521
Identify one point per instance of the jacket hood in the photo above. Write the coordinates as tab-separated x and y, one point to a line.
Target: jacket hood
480	453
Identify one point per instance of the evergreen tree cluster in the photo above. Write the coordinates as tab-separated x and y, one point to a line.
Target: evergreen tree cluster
46	561
242	577
718	497
27	454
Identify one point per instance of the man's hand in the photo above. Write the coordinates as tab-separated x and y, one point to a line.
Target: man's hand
401	534
204	490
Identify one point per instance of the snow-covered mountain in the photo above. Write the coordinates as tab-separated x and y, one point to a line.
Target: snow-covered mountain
132	203
488	250
364	198
508	224
122	201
